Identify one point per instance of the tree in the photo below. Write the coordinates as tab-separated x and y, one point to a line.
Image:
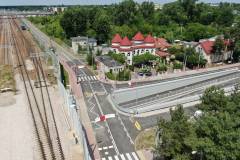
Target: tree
197	31
214	135
125	12
102	27
175	136
213	99
225	15
218	46
143	59
90	58
117	57
74	22
175	12
189	7
147	10
236	52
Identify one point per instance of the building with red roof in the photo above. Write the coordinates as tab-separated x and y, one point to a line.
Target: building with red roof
116	41
136	46
138	37
205	48
161	44
149	40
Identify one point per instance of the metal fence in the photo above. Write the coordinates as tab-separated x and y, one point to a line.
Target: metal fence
75	120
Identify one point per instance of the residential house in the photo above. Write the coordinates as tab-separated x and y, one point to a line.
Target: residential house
106	64
205	48
83	42
162	48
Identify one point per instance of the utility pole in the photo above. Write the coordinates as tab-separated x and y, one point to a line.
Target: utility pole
199	58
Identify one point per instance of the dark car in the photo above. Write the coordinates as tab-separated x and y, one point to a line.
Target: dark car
148	74
140	73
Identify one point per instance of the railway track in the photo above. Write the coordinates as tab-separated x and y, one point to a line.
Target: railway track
5	47
40	105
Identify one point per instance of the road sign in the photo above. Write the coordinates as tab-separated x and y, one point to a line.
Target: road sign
138	126
102	118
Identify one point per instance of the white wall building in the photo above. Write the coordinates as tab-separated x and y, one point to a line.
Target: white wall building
139	45
82	42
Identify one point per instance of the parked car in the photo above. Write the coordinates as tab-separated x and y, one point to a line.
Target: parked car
148	74
140	73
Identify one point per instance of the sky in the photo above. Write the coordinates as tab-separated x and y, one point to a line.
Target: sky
83	2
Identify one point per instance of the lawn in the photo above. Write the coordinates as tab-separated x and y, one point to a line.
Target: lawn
146	139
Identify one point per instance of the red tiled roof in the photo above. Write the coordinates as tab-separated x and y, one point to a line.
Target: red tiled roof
138	37
125	49
117	39
161	43
126	42
149	39
207	46
162	54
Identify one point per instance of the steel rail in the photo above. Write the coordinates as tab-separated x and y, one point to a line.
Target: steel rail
34	116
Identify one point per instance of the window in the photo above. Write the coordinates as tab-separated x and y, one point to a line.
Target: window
128	53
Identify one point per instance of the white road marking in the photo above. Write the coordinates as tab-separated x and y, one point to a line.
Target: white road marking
103	158
99	149
92	77
110	158
101	111
135	156
116	157
105	147
129	157
95	77
89	78
106	153
122	156
110	147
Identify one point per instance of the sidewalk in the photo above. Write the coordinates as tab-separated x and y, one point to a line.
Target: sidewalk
86	122
170	75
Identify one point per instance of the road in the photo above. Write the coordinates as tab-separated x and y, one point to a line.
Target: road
116	136
113	136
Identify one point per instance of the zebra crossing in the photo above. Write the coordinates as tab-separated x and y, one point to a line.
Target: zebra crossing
86	78
126	156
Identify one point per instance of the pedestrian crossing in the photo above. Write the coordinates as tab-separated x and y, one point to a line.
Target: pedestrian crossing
86	78
126	156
